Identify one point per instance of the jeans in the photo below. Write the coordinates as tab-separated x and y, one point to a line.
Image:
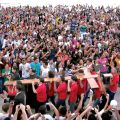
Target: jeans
111	95
96	102
60	103
72	107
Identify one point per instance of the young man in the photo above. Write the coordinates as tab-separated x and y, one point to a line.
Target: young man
73	89
62	92
25	67
113	84
36	66
41	93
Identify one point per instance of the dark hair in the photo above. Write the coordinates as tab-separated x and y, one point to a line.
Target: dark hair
51	74
42	109
7	118
62	78
106	115
41	80
74	78
5	107
63	111
69	66
92	117
20	86
89	59
81	71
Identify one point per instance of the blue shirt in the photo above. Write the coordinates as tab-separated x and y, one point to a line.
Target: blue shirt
36	67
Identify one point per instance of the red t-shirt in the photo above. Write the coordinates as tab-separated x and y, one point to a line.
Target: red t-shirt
11	90
62	91
41	93
98	91
115	81
80	88
51	89
73	92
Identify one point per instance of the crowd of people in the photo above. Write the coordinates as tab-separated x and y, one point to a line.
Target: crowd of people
57	42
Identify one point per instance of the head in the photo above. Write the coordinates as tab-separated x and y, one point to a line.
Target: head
5	107
36	60
45	64
42	109
63	111
89	61
74	78
7	67
62	79
41	80
19	86
92	117
106	115
51	74
81	72
23	61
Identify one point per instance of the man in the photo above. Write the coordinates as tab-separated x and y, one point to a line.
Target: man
41	93
113	84
36	66
62	92
20	97
73	89
25	67
45	69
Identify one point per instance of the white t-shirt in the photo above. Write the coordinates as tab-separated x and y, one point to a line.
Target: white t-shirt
5	115
49	117
25	70
44	71
4	43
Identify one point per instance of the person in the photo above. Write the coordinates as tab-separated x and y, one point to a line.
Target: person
113	84
36	65
62	92
25	67
73	89
6	72
44	69
20	97
15	74
41	93
5	114
51	87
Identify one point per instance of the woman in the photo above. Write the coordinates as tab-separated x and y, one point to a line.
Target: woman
6	73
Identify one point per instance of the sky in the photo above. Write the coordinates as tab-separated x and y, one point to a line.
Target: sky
95	3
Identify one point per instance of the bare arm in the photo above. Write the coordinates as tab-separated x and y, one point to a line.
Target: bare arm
55	110
85	111
80	103
16	112
98	115
24	115
33	87
117	114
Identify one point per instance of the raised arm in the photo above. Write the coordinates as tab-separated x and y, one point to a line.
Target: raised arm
33	87
80	103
